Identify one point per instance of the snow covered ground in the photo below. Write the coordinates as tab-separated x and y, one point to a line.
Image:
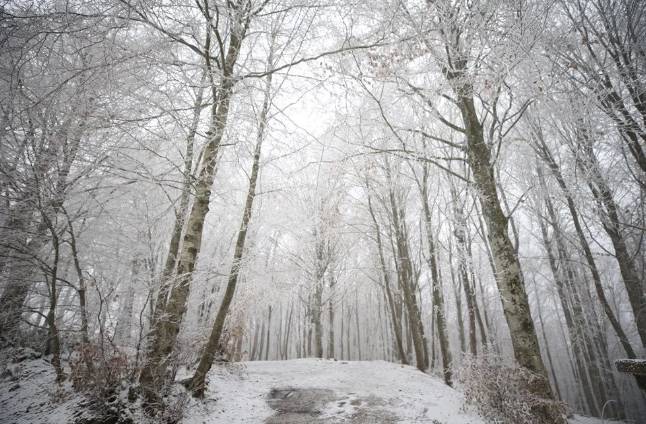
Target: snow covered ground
29	394
271	392
366	391
347	391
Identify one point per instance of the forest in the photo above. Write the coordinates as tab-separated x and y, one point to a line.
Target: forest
197	192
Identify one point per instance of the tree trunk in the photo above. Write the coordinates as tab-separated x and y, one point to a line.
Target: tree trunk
308	338
476	308
81	291
180	213
584	332
288	332
254	343
356	321
436	287
341	333
279	337
405	279
612	225
391	303
267	345
348	344
330	347
15	295
509	278
53	342
165	329
546	155
262	341
123	329
459	231
206	360
457	293
548	353
317	312
575	332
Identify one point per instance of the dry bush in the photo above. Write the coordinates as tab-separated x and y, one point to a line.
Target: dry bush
175	404
500	393
106	379
102	377
96	370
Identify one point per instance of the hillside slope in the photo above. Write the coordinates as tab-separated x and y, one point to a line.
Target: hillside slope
314	390
271	392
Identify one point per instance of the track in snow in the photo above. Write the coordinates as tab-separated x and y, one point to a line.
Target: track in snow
327	391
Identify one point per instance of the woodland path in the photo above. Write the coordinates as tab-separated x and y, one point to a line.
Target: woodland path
328	391
295	405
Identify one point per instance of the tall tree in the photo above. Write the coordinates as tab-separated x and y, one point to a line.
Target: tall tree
206	360
222	81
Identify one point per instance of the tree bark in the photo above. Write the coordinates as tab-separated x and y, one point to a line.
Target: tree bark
457	293
262	342
20	216
547	345
208	355
393	312
267	345
165	330
546	155
180	213
285	354
459	234
330	348
356	321
316	313
509	277
53	342
405	270
612	225
436	285
254	343
576	332
342	352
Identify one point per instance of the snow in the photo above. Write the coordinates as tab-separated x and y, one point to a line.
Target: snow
29	394
240	396
387	392
577	419
334	392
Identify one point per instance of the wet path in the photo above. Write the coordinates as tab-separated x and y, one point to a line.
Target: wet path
312	405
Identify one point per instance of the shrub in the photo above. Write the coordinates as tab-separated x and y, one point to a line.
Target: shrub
500	393
97	371
106	380
102	377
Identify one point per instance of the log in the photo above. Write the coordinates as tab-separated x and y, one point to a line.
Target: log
636	367
631	366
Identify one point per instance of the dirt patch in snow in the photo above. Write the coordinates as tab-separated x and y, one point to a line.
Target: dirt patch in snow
313	405
360	410
297	405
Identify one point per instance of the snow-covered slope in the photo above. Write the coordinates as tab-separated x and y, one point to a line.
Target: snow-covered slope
317	390
271	392
326	391
29	394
